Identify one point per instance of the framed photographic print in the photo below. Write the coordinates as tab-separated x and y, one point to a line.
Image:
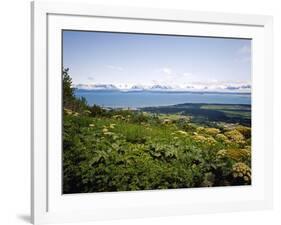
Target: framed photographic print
148	112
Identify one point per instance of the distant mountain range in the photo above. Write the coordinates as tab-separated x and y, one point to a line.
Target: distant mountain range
245	88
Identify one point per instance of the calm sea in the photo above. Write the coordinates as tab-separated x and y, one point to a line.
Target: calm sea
116	99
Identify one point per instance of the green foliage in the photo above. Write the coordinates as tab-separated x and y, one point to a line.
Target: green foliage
124	150
69	100
97	110
68	93
113	153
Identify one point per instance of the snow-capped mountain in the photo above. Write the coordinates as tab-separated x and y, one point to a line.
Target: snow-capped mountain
167	88
161	87
96	86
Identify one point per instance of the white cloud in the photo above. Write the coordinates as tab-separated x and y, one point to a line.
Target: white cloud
244	54
169	77
217	86
245	58
166	70
187	74
119	68
223	85
244	50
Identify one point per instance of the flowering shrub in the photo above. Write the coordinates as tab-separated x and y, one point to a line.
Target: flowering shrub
166	121
212	131
245	131
67	111
235	136
238	154
181	132
111	154
204	140
241	172
199	138
222	138
222	153
200	129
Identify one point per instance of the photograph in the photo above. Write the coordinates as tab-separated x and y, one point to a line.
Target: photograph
144	111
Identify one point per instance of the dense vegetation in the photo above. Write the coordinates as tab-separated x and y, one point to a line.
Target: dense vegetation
122	150
205	113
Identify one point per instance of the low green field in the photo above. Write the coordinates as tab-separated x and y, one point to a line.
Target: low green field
204	113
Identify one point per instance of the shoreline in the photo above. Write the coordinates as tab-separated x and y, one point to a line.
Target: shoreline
162	91
173	105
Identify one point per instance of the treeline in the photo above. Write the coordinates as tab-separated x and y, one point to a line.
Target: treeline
73	103
80	105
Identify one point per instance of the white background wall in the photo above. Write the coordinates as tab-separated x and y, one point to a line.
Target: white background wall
15	109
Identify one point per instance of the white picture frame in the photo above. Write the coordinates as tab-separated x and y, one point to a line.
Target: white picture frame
48	205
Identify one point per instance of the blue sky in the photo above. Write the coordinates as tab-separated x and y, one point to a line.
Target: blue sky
125	59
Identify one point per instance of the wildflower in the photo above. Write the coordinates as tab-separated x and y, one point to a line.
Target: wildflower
200	129
104	130
118	117
67	111
221	137
166	121
241	170
212	131
238	154
247	151
199	138
87	112
235	136
211	140
245	131
181	132
112	126
221	153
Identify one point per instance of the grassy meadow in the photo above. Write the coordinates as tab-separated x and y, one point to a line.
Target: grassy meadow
181	146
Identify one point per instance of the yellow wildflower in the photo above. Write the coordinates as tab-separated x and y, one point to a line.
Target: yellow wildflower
235	136
200	129
242	170
112	126
221	153
238	154
166	121
212	131
245	131
221	137
181	132
200	138
68	111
